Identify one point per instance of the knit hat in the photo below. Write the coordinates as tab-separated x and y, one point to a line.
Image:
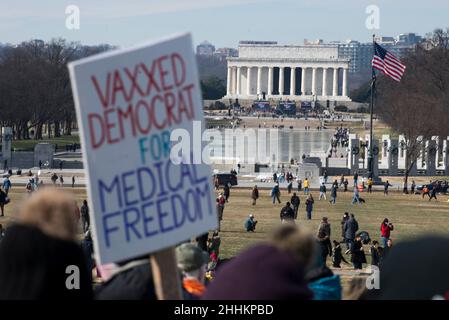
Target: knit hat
33	265
260	273
190	257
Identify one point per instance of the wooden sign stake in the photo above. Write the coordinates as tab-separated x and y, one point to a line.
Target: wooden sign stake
167	281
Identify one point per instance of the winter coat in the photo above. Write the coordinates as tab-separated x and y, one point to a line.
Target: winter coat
255	194
133	282
287	213
309	205
328	288
351	227
295	201
325	228
358	255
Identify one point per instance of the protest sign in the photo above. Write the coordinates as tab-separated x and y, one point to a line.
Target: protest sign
128	102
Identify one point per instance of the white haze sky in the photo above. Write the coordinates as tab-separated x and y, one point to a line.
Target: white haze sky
222	22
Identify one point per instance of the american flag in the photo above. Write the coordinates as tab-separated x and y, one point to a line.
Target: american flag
387	63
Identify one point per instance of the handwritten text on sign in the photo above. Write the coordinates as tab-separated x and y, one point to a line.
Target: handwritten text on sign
128	102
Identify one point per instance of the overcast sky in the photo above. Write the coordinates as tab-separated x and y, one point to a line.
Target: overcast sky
222	22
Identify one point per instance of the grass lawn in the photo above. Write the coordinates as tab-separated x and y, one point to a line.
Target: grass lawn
60	141
411	215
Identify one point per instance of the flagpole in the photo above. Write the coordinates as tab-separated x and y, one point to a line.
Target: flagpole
373	83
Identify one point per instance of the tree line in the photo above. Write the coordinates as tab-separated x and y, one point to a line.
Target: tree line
418	106
35	92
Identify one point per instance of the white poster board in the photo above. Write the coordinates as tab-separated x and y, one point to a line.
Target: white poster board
128	102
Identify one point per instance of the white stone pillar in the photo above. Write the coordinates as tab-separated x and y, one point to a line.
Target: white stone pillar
335	83
324	82
228	81
303	81
270	81
345	83
259	80
281	81
314	81
292	81
239	71
248	81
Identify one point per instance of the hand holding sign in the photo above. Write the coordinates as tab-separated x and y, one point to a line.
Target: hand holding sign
127	102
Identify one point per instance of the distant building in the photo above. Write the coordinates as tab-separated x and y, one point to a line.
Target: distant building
361	54
205	48
223	53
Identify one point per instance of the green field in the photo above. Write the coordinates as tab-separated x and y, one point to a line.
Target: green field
411	215
60	141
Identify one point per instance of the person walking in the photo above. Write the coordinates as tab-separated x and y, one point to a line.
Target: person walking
433	194
287	214
334	194
226	191
358	257
322	192
342	225
61	180
385	229
412	187
73	181
7	185
309	206
345	185
220	209
325	176
85	217
295	201
255	195
370	185
289	187
306	186
342	180
376	254
356	196
325	228
275	193
299	182
356	178
351	227
3	201
386	185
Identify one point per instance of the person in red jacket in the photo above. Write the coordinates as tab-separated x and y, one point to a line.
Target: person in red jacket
385	229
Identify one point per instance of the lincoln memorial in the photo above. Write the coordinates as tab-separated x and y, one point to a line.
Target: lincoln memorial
303	73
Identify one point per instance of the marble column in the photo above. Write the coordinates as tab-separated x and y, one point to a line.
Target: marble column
345	83
259	80
248	81
335	83
314	81
324	82
228	81
281	81
270	81
237	90
303	81
292	81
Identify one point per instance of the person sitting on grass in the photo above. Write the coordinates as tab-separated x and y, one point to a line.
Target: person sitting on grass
337	256
250	224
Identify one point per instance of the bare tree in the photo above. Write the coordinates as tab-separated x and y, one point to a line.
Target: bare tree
418	106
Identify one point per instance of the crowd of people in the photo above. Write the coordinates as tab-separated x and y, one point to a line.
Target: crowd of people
35	251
